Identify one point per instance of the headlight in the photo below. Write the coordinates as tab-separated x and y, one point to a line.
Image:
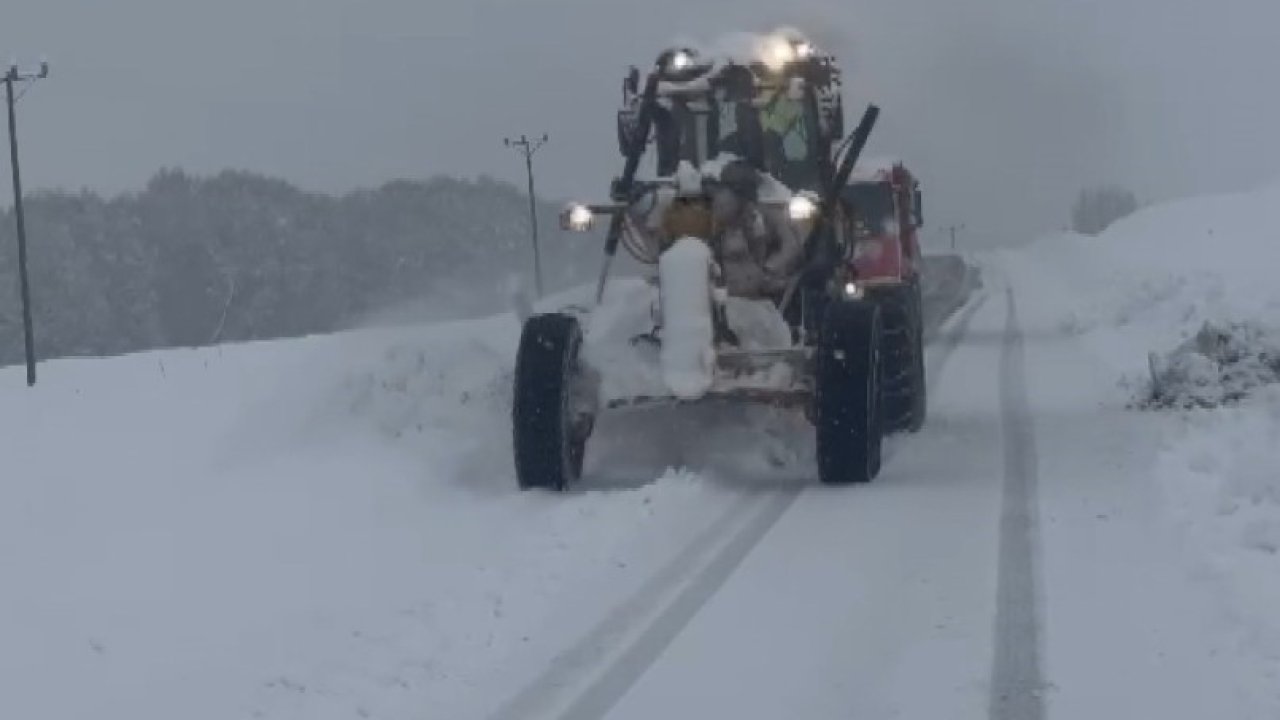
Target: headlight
802	208
778	53
680	60
577	218
852	290
781	50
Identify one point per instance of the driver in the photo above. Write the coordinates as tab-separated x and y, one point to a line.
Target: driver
786	141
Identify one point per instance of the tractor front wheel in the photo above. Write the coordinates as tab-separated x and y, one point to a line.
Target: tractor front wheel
550	420
847	399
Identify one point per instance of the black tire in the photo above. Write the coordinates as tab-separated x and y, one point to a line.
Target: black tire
549	442
902	369
847	397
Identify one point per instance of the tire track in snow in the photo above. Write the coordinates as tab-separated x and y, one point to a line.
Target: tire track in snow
623	643
946	344
685	584
613	684
1016	679
948	290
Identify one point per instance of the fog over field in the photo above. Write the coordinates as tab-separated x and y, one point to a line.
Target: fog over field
1005	107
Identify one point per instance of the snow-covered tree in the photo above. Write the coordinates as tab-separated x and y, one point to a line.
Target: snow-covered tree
237	256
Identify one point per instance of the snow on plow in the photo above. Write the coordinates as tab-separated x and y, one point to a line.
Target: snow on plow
688	346
777	274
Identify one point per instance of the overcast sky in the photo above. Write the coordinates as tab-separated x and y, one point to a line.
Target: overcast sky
1004	107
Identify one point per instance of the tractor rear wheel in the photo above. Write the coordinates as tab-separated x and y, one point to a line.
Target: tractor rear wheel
902	367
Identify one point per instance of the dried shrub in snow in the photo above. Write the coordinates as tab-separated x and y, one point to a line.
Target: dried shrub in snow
1219	365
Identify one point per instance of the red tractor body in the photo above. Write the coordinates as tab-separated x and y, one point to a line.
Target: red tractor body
886	218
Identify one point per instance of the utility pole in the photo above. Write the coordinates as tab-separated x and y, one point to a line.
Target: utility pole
11	78
953	229
528	148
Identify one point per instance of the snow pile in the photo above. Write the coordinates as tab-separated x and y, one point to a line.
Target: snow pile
1182	296
1219	365
757	324
430	380
619	341
1152	281
616	339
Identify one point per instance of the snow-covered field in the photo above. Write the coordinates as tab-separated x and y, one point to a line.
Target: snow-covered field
329	527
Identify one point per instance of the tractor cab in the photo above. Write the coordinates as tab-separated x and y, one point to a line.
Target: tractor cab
775	106
883	202
772	129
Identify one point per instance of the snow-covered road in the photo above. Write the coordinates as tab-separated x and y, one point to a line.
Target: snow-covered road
851	602
978	578
329	528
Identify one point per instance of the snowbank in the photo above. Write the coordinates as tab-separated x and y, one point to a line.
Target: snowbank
1157	276
1181	301
1221	470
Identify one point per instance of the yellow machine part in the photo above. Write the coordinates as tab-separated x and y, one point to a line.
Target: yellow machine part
687	218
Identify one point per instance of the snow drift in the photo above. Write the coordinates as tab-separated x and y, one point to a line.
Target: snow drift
1157	276
1181	301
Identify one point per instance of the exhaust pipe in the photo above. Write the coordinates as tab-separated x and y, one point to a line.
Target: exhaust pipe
621	191
814	254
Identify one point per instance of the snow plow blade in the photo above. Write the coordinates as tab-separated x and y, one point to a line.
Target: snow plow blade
759	396
743	377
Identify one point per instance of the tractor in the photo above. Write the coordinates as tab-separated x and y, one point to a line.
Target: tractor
757	215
